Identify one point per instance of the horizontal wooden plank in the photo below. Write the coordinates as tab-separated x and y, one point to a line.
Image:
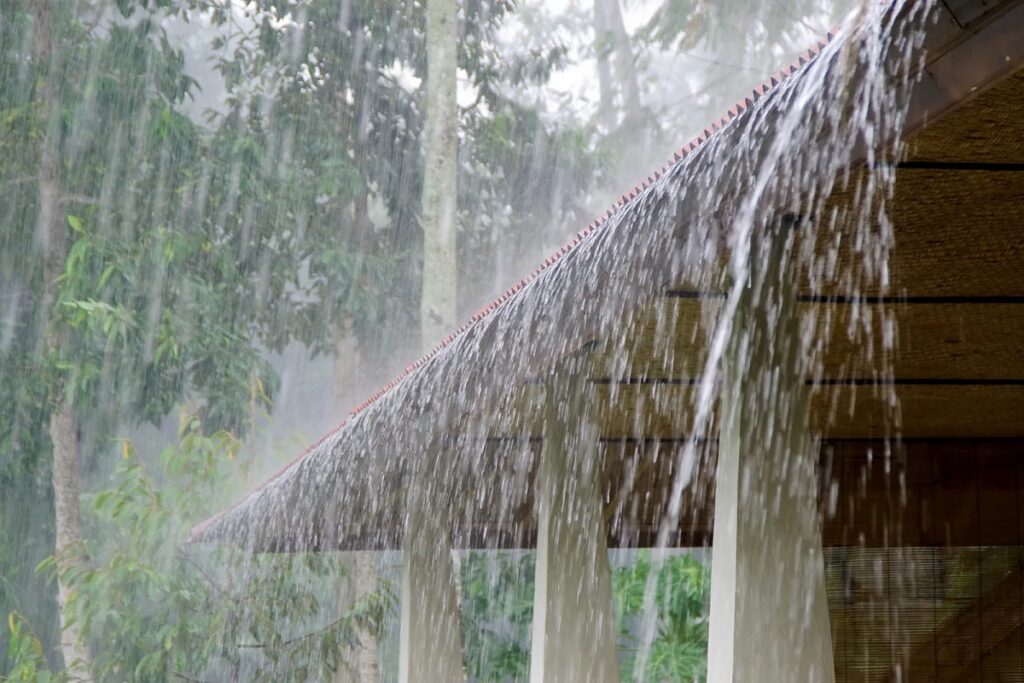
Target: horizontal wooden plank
947	409
842	411
907	341
925	411
928	493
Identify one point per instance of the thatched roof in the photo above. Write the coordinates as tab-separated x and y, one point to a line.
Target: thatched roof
632	287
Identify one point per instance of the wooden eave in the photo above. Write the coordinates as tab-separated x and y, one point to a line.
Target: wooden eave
957	296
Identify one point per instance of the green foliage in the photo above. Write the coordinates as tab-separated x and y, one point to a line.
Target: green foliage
26	653
497	611
155	608
682	593
144	354
497	608
194	251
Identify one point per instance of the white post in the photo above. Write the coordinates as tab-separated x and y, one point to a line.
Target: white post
769	615
574	638
430	645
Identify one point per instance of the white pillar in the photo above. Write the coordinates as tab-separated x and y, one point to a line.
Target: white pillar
430	646
574	635
769	615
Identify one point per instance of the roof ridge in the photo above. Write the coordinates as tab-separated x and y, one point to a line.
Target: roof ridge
738	108
758	93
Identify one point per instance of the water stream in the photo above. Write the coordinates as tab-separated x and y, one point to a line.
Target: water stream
462	426
289	196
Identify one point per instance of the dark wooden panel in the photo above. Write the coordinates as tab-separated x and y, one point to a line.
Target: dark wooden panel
944	410
928	493
936	493
659	410
937	340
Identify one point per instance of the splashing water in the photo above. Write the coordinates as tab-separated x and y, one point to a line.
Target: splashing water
594	398
829	131
848	108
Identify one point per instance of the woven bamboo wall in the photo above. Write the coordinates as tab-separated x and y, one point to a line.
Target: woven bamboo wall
927	614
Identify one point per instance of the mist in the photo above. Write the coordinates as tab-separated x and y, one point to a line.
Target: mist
218	240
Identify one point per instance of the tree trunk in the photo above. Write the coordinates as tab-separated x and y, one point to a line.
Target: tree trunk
66	475
440	175
430	648
54	244
602	49
625	61
612	40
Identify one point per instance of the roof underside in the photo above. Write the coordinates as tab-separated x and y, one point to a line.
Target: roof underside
956	295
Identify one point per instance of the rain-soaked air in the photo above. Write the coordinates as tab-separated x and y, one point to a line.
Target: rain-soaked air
547	341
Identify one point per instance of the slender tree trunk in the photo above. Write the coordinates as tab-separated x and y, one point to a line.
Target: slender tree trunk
63	427
50	230
440	175
612	40
66	475
625	61
602	49
438	311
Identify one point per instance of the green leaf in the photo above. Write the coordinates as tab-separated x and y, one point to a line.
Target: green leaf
76	224
105	276
102	499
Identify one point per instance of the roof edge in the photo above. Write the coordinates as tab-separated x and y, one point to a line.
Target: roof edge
756	95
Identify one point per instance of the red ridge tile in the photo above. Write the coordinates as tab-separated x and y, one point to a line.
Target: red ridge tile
745	104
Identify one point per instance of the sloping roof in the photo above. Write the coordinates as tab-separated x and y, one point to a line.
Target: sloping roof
471	394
